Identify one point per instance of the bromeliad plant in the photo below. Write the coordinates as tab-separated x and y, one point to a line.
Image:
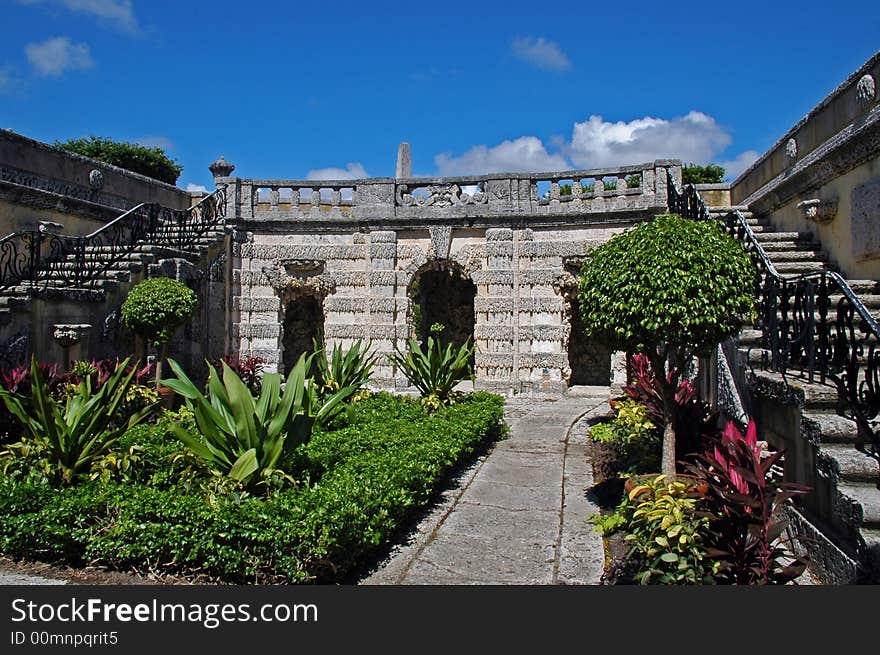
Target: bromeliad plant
72	434
745	496
435	371
244	437
345	369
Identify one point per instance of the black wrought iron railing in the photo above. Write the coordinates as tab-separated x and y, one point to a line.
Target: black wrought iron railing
37	257
812	326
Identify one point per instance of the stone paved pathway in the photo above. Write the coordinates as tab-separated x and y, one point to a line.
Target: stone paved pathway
518	515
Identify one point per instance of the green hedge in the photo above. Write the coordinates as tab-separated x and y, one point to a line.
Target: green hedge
364	481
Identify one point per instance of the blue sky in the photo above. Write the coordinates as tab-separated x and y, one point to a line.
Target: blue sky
328	89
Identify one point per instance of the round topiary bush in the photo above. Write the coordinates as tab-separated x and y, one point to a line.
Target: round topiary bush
670	288
156	307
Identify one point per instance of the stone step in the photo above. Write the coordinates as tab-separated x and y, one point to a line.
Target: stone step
799	255
854	465
866	287
789	269
832	428
786	246
866	495
726	209
784	236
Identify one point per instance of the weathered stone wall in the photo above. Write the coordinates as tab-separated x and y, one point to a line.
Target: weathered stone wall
358	245
47	183
823	175
521	321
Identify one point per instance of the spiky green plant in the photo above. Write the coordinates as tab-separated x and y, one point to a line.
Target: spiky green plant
351	368
436	370
244	437
82	428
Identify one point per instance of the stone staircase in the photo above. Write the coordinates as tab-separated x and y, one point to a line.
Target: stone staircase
118	274
846	480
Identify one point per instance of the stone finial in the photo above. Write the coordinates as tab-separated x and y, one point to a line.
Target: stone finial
820	211
221	168
866	90
404	161
791	151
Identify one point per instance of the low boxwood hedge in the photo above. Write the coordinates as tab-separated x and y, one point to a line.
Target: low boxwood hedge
361	482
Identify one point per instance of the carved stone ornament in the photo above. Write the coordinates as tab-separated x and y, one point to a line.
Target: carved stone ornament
96	179
439	195
292	279
791	151
866	90
820	211
67	334
566	285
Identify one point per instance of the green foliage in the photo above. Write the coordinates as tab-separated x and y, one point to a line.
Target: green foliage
242	437
368	479
696	174
671	281
152	162
64	442
669	537
156	307
633	439
437	370
351	368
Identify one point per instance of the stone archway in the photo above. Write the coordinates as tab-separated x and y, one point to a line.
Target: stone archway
442	292
589	363
302	287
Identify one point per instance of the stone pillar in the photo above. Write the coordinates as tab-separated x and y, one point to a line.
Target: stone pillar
404	161
495	318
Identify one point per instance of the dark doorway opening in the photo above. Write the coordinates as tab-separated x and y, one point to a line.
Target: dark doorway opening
442	293
303	322
590	362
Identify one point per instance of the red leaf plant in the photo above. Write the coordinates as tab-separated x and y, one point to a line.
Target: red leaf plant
744	500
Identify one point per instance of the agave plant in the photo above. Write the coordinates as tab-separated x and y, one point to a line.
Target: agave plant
350	368
436	370
83	428
245	437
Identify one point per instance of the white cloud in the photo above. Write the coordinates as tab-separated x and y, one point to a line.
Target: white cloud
196	188
155	141
540	53
119	13
526	153
734	167
352	171
596	143
695	137
4	79
55	56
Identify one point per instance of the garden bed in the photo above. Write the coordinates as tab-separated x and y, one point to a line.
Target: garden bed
357	485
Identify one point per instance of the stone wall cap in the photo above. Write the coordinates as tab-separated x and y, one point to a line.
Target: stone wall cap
850	81
15	136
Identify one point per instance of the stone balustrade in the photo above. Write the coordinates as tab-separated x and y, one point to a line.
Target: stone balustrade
625	189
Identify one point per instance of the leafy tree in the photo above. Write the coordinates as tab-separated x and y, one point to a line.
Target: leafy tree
155	308
671	288
696	174
152	162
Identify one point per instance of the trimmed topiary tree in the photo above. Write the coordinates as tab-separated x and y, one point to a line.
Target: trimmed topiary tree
671	288
155	308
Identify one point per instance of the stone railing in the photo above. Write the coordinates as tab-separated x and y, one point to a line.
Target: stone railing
624	189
